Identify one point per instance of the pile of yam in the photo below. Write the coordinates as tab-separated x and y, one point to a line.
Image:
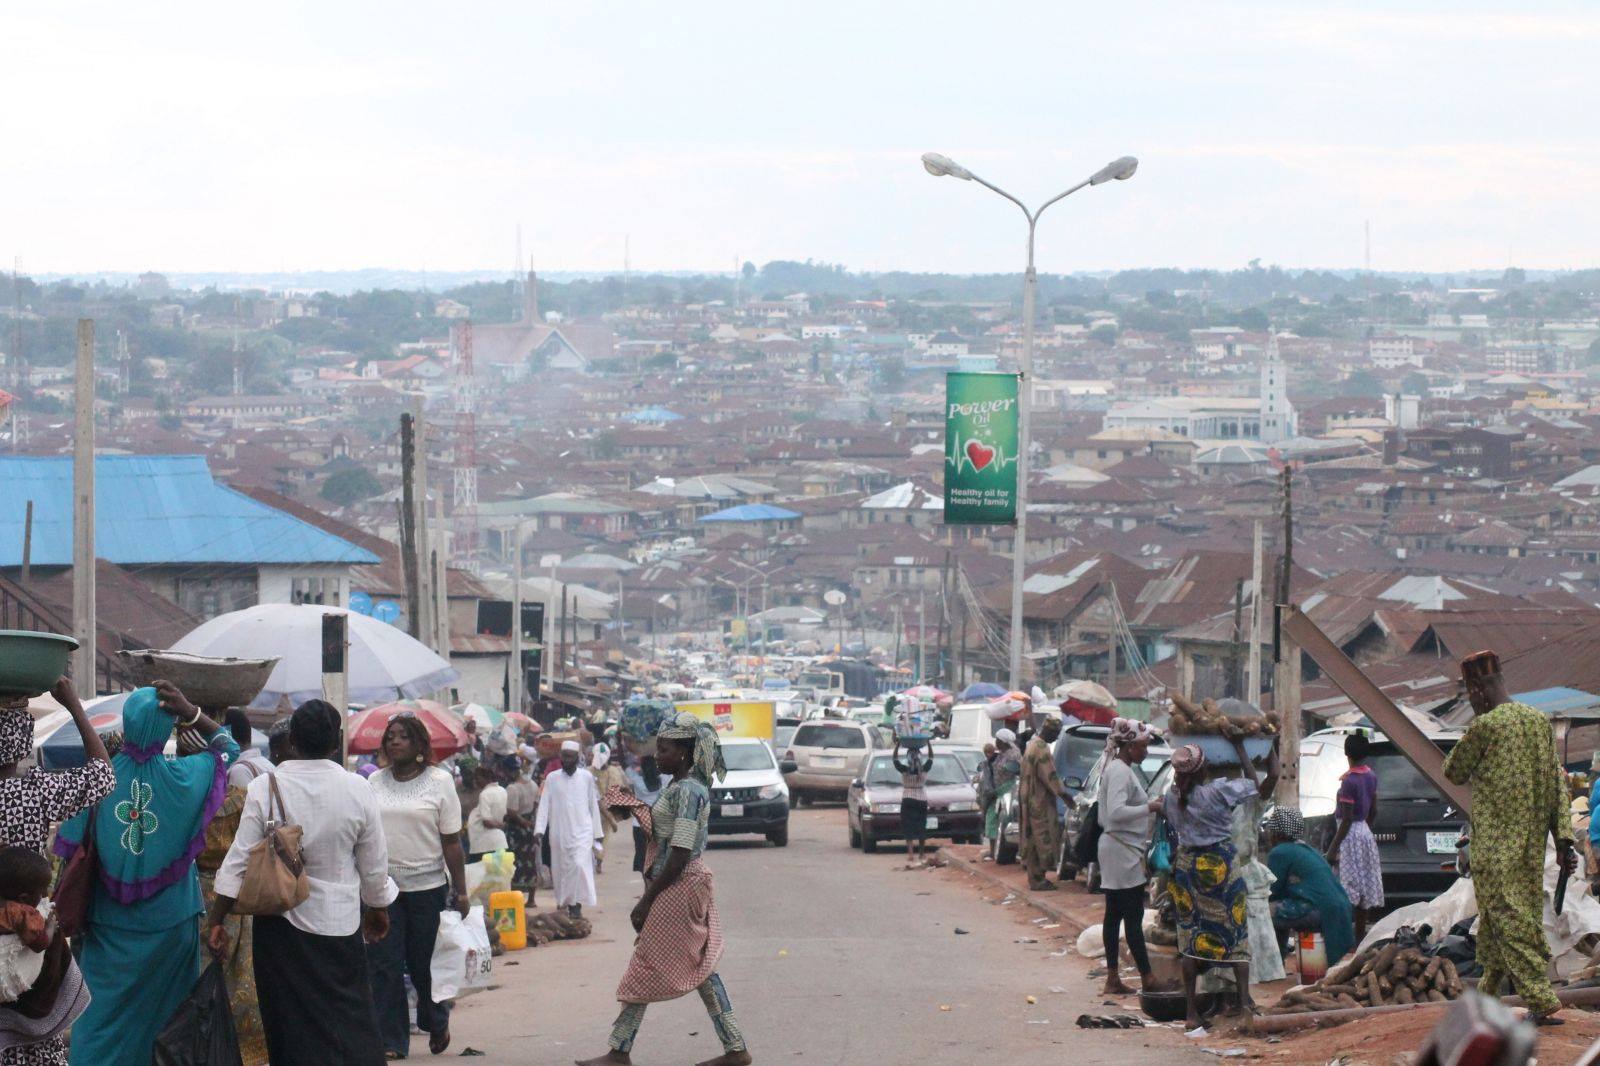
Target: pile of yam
1206	718
1378	977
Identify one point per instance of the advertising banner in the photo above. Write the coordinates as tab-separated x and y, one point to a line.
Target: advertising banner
735	718
980	449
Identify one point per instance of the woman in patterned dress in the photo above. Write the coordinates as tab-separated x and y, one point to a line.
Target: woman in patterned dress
141	951
1208	888
31	802
680	935
1354	850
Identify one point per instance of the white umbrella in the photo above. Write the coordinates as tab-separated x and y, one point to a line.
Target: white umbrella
384	663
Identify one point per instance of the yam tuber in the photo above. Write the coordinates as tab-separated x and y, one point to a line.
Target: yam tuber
1436	996
1403	994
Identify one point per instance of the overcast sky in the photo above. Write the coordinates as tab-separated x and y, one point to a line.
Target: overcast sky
418	135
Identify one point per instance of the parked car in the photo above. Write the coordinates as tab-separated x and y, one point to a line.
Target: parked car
970	758
752	796
783	732
827	754
1416	827
872	808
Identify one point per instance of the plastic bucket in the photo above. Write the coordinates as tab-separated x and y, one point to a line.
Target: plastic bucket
1313	955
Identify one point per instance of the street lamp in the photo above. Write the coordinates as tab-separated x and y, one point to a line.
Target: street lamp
941	167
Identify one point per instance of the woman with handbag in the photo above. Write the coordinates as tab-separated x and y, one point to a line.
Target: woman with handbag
318	885
1124	812
31	802
141	954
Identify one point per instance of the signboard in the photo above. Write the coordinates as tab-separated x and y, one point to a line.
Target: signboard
980	449
736	718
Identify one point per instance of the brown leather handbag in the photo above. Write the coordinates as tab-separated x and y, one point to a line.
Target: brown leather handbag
75	886
275	873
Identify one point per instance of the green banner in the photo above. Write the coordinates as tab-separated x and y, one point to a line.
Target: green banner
980	449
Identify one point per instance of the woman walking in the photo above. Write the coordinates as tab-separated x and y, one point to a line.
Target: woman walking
1125	814
422	830
141	950
31	802
311	966
1208	887
680	934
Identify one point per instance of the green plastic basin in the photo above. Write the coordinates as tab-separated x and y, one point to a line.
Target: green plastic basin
30	663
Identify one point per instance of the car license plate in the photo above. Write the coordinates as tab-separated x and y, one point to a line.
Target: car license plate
1442	843
933	823
828	762
733	810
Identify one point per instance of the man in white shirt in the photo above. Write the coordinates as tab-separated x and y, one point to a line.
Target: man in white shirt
486	825
569	811
250	764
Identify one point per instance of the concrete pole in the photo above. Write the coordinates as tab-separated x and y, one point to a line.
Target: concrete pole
1253	687
1286	700
519	677
336	671
1019	545
427	628
83	574
922	635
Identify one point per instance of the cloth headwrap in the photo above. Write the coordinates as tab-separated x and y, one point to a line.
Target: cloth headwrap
153	824
598	757
16	735
1188	759
1006	736
1286	822
1125	731
707	764
571	745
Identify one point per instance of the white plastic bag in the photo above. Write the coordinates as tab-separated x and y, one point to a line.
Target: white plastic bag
461	955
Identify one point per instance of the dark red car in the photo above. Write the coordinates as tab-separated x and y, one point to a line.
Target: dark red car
872	807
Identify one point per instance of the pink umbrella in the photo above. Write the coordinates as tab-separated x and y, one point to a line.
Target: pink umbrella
365	729
926	692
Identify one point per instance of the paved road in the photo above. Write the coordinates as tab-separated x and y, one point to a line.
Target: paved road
833	956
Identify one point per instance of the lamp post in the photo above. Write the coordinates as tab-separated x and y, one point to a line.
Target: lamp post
1117	170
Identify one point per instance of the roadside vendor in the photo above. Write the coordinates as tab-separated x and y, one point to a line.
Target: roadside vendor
1306	894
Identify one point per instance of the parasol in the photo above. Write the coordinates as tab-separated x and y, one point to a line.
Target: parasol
364	729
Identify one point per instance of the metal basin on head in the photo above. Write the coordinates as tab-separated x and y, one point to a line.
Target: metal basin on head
30	663
207	680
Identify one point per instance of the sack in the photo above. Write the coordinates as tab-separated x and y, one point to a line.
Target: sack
461	954
75	887
1086	845
498	868
200	1032
275	873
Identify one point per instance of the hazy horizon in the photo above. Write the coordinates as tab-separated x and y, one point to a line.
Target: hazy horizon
201	139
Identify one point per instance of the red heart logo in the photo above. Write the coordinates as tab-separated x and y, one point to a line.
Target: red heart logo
981	455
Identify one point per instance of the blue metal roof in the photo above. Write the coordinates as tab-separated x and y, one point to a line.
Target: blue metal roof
151	510
653	414
751	512
1559	701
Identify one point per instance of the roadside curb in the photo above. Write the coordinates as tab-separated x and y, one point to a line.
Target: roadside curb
1070	925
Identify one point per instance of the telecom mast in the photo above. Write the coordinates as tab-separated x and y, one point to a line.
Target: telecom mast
464	498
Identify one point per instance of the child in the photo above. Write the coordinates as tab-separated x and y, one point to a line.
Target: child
41	991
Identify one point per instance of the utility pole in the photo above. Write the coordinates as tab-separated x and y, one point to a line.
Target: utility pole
563	652
896	660
942	665
427	602
27	544
83	574
1286	671
335	670
441	584
408	523
1235	657
1111	662
519	676
922	635
1253	691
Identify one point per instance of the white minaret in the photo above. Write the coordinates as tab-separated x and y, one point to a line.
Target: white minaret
1277	416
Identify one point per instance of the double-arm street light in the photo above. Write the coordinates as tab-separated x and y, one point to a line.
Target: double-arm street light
1117	170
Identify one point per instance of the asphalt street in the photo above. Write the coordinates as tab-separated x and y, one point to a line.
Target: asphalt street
833	956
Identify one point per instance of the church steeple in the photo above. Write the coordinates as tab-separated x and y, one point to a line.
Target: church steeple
530	297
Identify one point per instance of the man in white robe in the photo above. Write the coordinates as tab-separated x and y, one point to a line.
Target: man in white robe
569	814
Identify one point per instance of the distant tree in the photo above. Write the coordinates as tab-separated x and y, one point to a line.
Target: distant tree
1514	276
1105	334
606	446
1414	384
1594	351
892	373
1253	318
1362	383
350	485
748	271
1159	298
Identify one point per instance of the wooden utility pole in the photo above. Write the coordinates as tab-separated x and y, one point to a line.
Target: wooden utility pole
1111	662
1236	655
897	632
1257	599
519	676
83	575
942	666
1286	672
336	672
409	559
27	544
922	635
441	584
427	598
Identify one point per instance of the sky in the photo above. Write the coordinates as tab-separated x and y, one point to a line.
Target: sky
697	134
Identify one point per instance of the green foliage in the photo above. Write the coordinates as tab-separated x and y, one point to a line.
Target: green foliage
350	485
1362	383
1253	318
1104	333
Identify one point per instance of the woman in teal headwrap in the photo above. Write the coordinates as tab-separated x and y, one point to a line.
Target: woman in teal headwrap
141	951
680	935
